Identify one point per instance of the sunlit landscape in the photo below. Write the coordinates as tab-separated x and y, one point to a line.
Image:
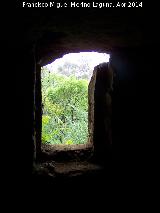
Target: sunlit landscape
65	97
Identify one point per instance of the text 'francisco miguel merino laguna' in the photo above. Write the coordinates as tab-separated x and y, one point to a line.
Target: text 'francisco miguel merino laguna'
62	5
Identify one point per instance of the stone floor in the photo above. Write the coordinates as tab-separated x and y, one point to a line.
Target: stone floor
65	169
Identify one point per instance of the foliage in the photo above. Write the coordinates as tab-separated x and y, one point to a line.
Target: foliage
82	70
65	106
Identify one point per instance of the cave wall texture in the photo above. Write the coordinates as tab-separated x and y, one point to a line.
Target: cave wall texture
39	37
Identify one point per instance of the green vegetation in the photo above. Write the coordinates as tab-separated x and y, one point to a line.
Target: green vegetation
65	109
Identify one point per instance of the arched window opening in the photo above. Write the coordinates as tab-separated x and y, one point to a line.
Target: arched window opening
65	98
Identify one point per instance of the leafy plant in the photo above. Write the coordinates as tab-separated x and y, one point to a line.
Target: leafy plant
65	106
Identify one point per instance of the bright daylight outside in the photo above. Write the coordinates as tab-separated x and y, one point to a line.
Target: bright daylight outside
65	97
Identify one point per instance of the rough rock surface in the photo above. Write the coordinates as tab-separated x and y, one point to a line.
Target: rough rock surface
65	169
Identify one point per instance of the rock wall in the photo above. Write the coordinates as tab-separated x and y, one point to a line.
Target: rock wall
102	111
91	104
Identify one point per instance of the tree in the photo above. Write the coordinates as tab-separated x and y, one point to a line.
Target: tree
65	109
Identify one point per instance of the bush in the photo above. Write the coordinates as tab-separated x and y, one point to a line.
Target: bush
65	106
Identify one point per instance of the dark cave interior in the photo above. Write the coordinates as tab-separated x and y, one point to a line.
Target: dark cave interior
41	38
